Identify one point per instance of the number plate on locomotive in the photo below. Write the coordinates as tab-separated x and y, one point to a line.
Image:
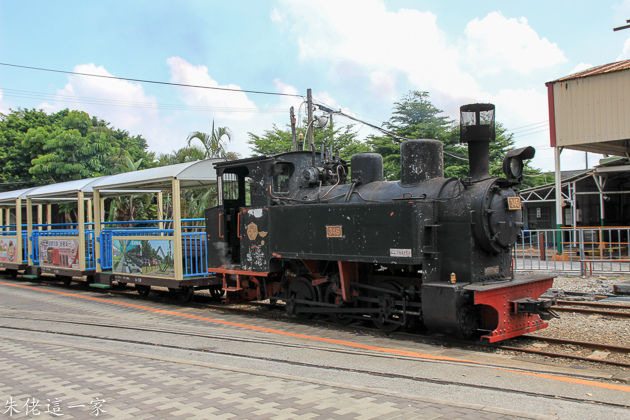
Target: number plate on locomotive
514	203
334	232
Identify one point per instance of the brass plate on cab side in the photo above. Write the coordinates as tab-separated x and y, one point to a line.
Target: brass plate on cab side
334	232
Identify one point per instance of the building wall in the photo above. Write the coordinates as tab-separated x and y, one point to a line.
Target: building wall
592	109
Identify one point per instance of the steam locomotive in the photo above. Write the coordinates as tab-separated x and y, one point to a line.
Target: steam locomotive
426	251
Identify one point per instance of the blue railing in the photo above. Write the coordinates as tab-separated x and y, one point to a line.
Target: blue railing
107	259
194	245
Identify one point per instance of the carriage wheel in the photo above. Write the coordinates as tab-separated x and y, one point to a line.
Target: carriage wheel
143	290
185	293
216	292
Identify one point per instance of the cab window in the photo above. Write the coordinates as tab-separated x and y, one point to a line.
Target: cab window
281	175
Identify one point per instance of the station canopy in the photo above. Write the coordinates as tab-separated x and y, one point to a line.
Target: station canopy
63	191
200	173
589	110
8	198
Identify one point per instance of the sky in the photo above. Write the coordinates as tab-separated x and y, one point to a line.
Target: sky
360	56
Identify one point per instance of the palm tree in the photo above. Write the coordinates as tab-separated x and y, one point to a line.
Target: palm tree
213	142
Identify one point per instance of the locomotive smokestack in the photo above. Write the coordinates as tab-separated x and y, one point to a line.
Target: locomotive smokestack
477	128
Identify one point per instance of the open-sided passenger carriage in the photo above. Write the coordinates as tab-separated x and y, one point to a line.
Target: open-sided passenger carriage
163	253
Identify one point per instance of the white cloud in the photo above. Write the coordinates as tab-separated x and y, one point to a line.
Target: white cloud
231	109
625	52
276	16
122	103
581	67
3	108
364	39
496	43
224	102
392	51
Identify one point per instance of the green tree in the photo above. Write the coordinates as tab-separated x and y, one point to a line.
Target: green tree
17	150
132	207
185	154
342	138
415	117
75	151
213	142
38	148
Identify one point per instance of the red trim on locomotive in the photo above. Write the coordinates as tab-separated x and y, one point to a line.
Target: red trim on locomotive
223	270
507	324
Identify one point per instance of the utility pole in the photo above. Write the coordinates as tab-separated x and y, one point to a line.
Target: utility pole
295	146
309	134
622	27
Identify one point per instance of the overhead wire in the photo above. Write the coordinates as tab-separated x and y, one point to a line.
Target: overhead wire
133	104
257	92
17	93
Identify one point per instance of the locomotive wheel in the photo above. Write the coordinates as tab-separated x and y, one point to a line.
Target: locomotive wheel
388	322
216	292
121	284
331	297
185	293
143	290
302	288
468	322
67	280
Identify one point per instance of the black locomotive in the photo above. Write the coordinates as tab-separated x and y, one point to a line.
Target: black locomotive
425	251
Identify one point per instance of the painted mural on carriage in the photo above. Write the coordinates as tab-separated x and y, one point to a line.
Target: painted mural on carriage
7	250
145	257
59	252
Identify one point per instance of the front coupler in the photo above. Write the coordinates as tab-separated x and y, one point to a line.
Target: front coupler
511	308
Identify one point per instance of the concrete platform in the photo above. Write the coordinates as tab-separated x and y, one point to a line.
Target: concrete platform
129	363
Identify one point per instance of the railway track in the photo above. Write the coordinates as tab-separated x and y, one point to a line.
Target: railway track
321	363
578	345
270	311
593	308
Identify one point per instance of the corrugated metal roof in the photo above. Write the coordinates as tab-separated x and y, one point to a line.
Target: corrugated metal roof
191	174
10	196
63	191
605	68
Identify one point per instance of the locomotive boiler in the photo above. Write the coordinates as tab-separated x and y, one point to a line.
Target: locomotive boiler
425	251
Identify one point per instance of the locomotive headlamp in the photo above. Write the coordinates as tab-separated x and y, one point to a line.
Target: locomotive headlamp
513	162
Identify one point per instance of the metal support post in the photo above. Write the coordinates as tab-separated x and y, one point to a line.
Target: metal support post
559	200
81	225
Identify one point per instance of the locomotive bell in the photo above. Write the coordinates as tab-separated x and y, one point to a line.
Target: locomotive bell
477	128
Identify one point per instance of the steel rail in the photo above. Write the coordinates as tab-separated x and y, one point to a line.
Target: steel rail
398	335
592	304
591	311
312	365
